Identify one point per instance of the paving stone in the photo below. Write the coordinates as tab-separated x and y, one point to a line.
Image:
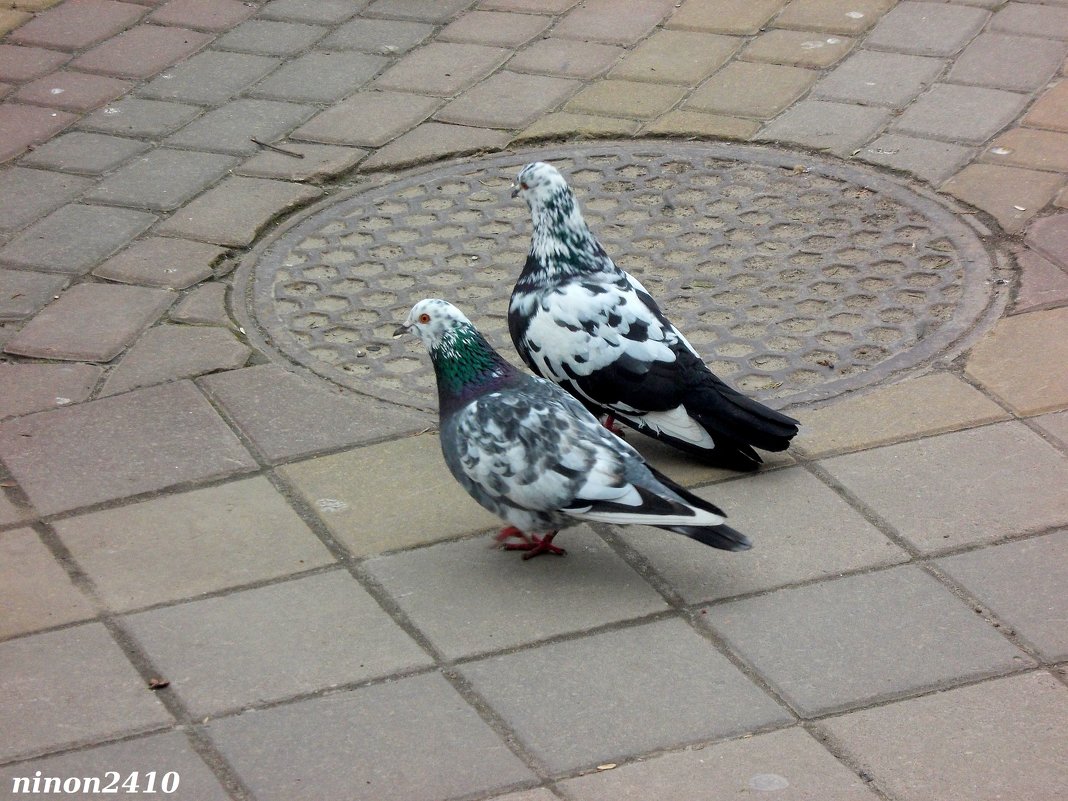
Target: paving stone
286	416
1031	20
531	6
798	48
73	91
612	21
1050	235
138	184
213	649
751	90
116	447
790	760
236	210
23	293
1042	283
1018	63
9	20
320	162
997	739
171	749
22	126
1051	109
202	541
931	404
205	305
142	51
507	100
495	28
210	78
1013	494
969	114
30	388
837	127
35	590
1024	584
363	744
625	99
89	690
1010	194
906	633
1055	424
590	587
19	64
383	36
565	124
832	16
682	57
320	76
438	11
367	119
872	78
927	29
566	58
537	794
442	68
694	123
1031	385
48	246
232	127
132	116
700	695
205	15
271	38
784	512
170	352
433	140
86	153
38	191
743	17
322	12
347	489
1027	147
77	24
162	262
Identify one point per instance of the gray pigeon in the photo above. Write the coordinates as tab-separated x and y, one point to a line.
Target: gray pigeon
579	320
530	453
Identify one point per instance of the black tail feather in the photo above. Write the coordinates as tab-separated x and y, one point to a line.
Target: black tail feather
723	537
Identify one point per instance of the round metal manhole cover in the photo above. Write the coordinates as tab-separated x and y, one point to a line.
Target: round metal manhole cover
797	278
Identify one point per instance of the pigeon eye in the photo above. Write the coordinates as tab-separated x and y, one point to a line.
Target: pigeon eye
424	318
523	185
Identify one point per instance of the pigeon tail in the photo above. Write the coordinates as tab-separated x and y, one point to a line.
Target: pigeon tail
719	536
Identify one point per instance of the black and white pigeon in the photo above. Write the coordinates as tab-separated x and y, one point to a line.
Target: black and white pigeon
534	456
582	322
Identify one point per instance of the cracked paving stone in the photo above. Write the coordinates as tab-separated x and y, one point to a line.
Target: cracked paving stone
205	305
162	262
26	388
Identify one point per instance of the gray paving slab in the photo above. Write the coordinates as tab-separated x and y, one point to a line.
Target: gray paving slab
927	29
434	140
566	58
47	245
927	159
994	739
1017	63
367	119
162	262
788	765
443	68
321	76
38	191
201	541
35	591
90	322
232	127
138	184
370	744
500	28
209	78
271	37
112	448
612	21
86	153
23	292
870	77
162	753
286	416
205	305
382	36
26	388
322	12
618	693
1055	424
801	530
319	162
321	631
993	481
1025	584
470	597
838	127
134	116
439	11
967	114
857	640
1031	20
508	100
11	513
68	686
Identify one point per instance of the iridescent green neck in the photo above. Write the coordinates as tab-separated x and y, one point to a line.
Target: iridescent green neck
466	366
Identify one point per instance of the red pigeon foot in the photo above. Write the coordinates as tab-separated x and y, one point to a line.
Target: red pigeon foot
610	424
531	543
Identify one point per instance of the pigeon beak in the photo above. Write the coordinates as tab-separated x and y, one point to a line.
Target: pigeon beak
515	191
402	330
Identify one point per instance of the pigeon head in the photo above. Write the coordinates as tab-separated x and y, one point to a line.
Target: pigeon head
433	321
562	243
540	184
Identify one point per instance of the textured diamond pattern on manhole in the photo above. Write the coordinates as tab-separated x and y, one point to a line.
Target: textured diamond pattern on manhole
796	278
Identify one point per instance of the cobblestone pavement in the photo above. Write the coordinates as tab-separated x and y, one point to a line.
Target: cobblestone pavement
294	559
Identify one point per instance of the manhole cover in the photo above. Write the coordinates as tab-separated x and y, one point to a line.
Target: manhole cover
796	277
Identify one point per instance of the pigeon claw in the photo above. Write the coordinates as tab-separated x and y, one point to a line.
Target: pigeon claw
613	427
531	543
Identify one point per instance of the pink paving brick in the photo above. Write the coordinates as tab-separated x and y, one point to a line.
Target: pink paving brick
205	15
77	24
73	91
22	126
143	51
26	63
